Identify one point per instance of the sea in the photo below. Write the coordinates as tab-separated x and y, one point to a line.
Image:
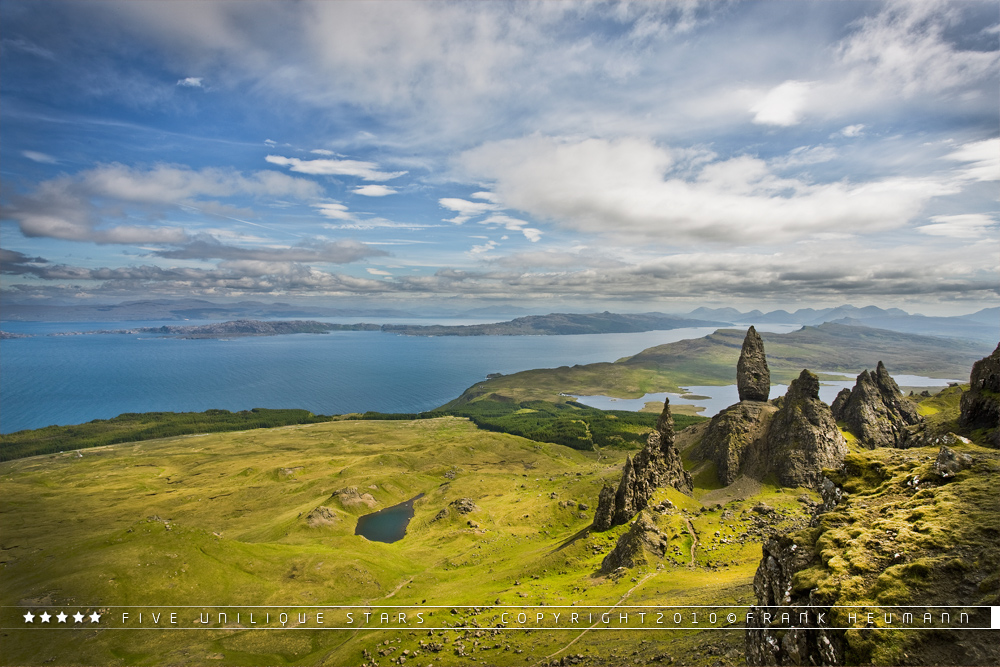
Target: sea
71	379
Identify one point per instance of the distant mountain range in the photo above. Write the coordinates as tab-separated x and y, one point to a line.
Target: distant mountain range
982	326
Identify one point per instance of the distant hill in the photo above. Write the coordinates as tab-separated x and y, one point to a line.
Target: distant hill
983	325
711	360
559	324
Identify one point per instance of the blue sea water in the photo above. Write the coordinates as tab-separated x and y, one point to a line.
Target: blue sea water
73	379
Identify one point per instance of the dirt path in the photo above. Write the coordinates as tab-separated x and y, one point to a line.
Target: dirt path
577	638
694	541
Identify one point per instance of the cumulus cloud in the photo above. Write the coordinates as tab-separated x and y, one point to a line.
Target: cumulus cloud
79	207
367	171
191	82
632	188
783	105
374	190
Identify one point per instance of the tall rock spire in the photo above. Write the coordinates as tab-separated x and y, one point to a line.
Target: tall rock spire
658	464
753	379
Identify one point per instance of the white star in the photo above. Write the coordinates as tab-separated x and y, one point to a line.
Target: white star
95	617
29	618
61	616
45	617
78	617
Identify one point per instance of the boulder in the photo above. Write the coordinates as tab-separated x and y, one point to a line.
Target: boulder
803	437
949	462
876	411
753	379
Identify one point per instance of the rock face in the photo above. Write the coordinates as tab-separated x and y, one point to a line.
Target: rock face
876	410
735	440
803	437
658	464
643	537
807	644
753	379
981	404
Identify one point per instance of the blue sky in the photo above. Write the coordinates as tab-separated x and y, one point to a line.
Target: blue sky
611	156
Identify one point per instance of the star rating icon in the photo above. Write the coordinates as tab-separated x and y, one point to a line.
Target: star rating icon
46	617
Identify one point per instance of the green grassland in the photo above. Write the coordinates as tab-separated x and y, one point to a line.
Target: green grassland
221	519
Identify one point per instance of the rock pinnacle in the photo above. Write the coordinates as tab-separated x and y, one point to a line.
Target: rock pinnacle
753	379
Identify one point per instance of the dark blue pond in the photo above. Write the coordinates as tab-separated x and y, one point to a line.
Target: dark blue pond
389	524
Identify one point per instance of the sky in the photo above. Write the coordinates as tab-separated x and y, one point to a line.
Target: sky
623	156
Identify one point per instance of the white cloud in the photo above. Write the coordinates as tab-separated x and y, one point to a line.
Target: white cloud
191	82
968	226
334	210
484	248
466	209
853	130
374	190
322	151
81	207
903	50
378	272
782	105
36	156
532	234
365	170
984	159
628	188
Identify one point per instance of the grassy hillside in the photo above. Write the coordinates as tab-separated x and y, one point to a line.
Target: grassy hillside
222	519
711	360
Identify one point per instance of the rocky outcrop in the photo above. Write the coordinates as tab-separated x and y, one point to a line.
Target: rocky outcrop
658	464
876	411
837	407
321	516
753	379
464	505
949	462
351	497
981	404
803	437
735	440
643	540
768	642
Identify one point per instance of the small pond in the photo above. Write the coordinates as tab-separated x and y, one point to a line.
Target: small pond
389	524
